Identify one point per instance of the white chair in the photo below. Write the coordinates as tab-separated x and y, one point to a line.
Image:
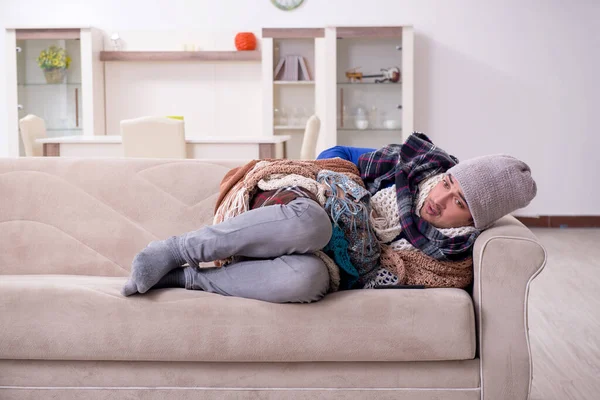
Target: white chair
309	141
153	137
32	127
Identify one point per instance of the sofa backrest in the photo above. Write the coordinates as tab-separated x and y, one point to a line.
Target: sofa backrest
91	216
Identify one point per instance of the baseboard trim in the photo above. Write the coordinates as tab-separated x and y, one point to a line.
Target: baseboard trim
561	221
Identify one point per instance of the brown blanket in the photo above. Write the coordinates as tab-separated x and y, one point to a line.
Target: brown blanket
416	268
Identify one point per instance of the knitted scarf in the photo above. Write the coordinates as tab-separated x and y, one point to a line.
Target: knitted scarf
347	204
401	262
241	183
386	221
415	268
406	166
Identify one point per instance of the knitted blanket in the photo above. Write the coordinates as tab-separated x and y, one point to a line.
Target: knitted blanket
415	268
241	183
361	260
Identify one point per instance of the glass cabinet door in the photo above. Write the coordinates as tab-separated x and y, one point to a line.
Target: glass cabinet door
49	83
369	91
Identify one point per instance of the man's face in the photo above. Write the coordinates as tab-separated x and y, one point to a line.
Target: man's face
445	206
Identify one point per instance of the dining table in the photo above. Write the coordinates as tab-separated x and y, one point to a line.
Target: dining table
230	147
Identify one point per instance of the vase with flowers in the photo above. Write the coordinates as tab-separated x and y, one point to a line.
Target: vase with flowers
54	61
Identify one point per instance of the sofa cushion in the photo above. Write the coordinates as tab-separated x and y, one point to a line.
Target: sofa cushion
92	216
69	317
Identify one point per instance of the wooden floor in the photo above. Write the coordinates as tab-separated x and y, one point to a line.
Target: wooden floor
564	316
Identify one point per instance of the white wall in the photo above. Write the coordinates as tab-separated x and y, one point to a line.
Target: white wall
216	99
518	76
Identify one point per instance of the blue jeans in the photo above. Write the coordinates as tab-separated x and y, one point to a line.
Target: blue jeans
276	243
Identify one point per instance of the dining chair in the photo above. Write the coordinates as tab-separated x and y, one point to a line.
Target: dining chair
32	127
309	141
153	137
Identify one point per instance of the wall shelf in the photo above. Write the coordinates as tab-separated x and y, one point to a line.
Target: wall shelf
288	127
50	84
141	56
369	32
370	129
294	83
293	33
370	83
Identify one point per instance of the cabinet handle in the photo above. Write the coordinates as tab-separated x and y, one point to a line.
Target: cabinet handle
341	107
77	107
19	106
18	49
399	106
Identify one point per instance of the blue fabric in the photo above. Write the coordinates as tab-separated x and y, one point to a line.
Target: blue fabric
345	153
350	154
337	249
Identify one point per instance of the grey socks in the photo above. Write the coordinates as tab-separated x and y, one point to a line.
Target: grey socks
151	264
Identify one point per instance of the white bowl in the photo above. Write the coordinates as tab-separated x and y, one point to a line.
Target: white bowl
362	124
391	124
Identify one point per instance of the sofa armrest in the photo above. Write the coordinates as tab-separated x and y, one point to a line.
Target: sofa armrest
506	258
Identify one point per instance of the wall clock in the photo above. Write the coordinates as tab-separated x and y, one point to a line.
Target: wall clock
287	5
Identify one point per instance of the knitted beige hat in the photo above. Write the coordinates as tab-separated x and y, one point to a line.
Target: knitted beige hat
494	186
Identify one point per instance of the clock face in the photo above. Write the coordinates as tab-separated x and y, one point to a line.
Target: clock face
287	5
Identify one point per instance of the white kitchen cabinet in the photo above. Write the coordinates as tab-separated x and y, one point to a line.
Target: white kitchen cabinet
69	105
353	112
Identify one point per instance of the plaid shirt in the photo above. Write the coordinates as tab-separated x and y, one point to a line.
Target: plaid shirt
406	166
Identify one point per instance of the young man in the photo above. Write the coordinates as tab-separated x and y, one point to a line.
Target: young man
274	243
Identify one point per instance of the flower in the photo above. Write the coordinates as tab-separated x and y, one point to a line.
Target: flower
53	57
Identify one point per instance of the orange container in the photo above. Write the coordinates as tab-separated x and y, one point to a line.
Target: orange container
245	41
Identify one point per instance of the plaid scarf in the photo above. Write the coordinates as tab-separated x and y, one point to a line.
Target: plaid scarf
406	166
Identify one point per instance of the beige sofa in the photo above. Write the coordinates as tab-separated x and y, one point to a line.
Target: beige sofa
69	229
